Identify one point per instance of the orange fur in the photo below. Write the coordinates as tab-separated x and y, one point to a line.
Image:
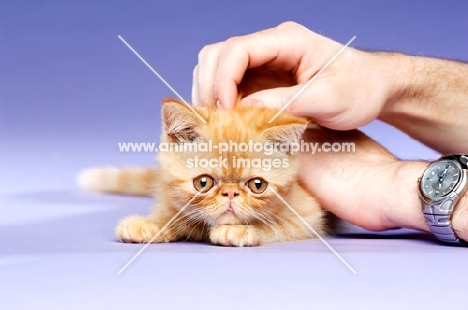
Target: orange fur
123	181
256	219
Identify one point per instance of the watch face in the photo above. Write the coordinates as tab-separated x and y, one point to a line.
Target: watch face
440	178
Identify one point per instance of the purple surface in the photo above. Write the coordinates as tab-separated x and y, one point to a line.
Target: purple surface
70	90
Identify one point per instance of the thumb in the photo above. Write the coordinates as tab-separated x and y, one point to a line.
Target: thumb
321	102
275	98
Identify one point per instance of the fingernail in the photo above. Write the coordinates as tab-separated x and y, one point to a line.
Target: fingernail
251	102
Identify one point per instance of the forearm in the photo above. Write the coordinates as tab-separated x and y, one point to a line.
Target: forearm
369	187
427	99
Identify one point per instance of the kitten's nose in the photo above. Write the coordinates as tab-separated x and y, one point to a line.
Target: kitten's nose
231	193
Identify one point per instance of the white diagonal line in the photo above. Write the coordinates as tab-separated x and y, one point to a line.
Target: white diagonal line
159	232
313	230
312	79
162	79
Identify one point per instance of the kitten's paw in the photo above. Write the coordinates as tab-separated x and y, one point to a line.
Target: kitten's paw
235	235
137	229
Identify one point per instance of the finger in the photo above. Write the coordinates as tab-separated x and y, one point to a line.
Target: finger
274	98
208	59
279	47
195	94
318	101
279	98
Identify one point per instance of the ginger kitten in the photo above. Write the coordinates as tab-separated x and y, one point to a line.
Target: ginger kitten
226	203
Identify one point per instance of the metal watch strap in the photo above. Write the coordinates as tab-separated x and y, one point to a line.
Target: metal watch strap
438	219
438	214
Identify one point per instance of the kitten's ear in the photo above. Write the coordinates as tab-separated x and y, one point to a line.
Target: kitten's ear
286	132
180	123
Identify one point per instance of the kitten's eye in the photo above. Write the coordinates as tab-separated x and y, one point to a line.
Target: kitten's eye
203	183
257	185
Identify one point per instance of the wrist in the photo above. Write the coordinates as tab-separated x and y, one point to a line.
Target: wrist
404	208
460	218
398	76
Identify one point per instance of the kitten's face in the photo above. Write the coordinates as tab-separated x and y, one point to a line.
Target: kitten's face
233	186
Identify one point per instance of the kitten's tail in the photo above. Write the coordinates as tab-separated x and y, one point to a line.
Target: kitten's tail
123	181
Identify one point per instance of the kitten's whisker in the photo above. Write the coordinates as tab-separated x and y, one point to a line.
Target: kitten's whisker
194	226
270	223
191	219
278	218
287	225
203	231
182	223
263	216
185	215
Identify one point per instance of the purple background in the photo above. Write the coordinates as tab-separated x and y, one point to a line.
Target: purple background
70	90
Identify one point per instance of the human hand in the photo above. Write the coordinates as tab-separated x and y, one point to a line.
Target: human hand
269	67
368	187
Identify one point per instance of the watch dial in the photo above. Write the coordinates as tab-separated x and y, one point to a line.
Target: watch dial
440	178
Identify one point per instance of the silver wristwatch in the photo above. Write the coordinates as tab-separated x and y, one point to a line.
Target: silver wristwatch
441	186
